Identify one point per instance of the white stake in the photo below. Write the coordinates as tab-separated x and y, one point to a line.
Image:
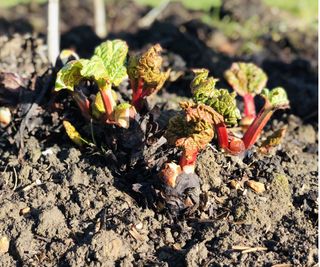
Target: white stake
53	39
100	18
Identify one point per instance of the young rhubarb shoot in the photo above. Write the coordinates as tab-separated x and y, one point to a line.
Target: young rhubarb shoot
223	102
170	172
192	132
274	100
145	74
106	67
247	80
5	116
204	91
122	115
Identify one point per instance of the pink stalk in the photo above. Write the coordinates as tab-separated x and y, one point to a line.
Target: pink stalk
254	130
249	106
235	146
108	101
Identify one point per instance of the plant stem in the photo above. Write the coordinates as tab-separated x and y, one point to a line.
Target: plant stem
222	134
83	103
254	130
249	106
137	95
188	160
108	100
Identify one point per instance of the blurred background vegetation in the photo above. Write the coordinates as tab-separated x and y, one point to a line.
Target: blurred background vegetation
305	9
291	15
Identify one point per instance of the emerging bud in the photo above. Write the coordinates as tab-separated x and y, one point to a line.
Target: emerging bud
122	115
169	173
145	74
5	116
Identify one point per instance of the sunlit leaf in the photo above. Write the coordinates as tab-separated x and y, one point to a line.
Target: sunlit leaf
112	55
246	78
73	134
69	76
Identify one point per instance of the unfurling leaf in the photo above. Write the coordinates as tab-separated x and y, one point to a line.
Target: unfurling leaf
147	67
113	55
202	85
107	66
122	115
220	100
94	68
74	135
69	76
246	78
194	130
276	98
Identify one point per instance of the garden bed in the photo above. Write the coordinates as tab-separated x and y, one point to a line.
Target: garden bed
66	206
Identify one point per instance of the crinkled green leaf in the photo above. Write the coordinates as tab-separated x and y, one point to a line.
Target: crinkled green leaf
246	78
106	66
277	97
113	55
194	129
94	68
220	100
69	76
201	83
147	67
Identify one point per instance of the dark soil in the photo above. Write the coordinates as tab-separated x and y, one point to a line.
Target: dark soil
62	206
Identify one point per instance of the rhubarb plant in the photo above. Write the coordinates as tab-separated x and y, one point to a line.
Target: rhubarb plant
247	80
213	112
223	102
106	68
191	131
146	75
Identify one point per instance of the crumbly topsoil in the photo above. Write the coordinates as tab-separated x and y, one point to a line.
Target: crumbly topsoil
62	206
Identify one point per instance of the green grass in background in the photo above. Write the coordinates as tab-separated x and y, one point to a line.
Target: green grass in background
304	9
8	3
192	4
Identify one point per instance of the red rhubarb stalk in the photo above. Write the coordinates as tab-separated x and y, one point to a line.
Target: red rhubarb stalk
249	106
108	101
222	134
254	130
137	95
188	160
